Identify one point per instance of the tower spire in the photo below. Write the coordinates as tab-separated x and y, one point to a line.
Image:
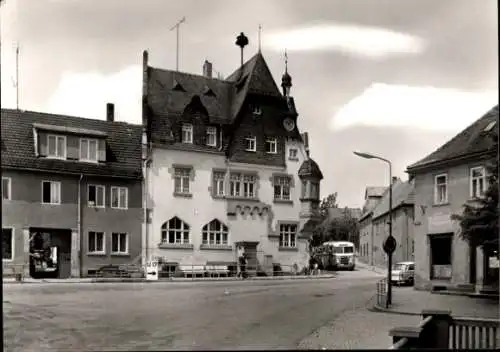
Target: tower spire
286	79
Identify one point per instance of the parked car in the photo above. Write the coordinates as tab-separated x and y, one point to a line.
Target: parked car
403	273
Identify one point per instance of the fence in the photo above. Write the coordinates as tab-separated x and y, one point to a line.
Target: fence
438	329
202	271
382	292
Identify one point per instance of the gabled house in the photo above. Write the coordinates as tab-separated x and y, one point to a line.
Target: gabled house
227	168
373	195
402	224
71	189
444	180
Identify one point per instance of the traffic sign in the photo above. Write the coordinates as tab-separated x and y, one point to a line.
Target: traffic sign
389	245
152	271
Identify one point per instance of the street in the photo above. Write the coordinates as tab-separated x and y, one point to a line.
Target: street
181	315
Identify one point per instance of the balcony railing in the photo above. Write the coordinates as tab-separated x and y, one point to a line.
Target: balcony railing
438	329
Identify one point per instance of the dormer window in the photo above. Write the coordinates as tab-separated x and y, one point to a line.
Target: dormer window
88	150
271	145
56	146
257	110
251	144
211	136
187	133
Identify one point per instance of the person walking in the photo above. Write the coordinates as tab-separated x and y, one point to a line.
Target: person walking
241	262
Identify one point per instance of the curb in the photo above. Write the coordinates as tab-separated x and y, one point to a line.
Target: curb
134	280
379	309
467	294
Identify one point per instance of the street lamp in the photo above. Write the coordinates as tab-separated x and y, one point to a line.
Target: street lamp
390	241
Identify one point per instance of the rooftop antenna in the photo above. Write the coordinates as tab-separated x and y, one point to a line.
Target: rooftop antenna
260	31
286	61
16	82
176	27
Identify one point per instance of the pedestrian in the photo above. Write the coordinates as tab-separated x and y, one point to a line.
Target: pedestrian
311	265
241	262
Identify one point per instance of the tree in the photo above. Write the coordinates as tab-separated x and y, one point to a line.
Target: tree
479	222
344	228
328	202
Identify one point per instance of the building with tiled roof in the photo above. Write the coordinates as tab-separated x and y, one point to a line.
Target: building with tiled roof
444	180
373	222
70	183
223	171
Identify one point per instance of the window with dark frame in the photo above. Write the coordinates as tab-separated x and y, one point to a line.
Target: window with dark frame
96	242
215	233
95	196
6	188
119	243
288	233
175	231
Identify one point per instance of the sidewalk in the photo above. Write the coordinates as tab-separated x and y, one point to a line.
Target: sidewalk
175	279
374	268
406	300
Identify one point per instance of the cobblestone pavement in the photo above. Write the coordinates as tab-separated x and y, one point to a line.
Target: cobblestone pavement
358	329
202	315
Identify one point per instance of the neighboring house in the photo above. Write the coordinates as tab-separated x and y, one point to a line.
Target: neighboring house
227	168
373	195
76	183
402	224
444	180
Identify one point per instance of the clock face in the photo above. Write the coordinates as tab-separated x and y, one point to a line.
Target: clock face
288	124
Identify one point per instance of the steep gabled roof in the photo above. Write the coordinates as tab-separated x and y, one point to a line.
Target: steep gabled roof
254	77
471	141
403	193
123	144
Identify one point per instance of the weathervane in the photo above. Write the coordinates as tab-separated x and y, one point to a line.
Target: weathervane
241	41
286	61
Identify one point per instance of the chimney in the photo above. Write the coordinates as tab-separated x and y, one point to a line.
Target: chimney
394	179
110	112
207	69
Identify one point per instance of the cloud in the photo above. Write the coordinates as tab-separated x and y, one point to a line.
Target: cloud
428	108
356	40
86	94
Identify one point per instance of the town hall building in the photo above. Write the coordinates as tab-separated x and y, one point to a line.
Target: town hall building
226	169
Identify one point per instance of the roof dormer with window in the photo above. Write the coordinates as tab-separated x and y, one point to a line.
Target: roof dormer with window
68	143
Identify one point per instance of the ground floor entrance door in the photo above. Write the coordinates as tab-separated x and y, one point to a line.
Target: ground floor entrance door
441	256
250	251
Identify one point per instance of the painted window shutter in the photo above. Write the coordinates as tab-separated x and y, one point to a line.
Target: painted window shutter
102	150
42	142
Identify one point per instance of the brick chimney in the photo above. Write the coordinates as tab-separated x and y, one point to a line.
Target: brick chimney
110	112
207	69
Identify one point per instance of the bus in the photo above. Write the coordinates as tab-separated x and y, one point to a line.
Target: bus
336	255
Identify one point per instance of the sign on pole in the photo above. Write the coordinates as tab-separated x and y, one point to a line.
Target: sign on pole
152	271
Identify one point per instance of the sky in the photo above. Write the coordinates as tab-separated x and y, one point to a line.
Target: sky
396	78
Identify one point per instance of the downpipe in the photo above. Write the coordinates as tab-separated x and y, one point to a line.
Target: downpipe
145	210
79	225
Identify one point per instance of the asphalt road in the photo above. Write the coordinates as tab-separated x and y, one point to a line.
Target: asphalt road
187	315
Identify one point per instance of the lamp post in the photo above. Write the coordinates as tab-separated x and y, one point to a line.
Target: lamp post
390	241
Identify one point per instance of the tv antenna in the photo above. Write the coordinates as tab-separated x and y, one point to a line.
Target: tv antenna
15	82
176	27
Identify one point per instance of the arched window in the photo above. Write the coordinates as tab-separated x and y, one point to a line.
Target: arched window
215	233
175	231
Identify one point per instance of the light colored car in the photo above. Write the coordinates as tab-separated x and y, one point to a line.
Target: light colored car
403	273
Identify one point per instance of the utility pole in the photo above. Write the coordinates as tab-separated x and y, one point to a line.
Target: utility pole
176	27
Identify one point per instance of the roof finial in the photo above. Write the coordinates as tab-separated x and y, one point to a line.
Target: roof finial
260	31
241	41
286	61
